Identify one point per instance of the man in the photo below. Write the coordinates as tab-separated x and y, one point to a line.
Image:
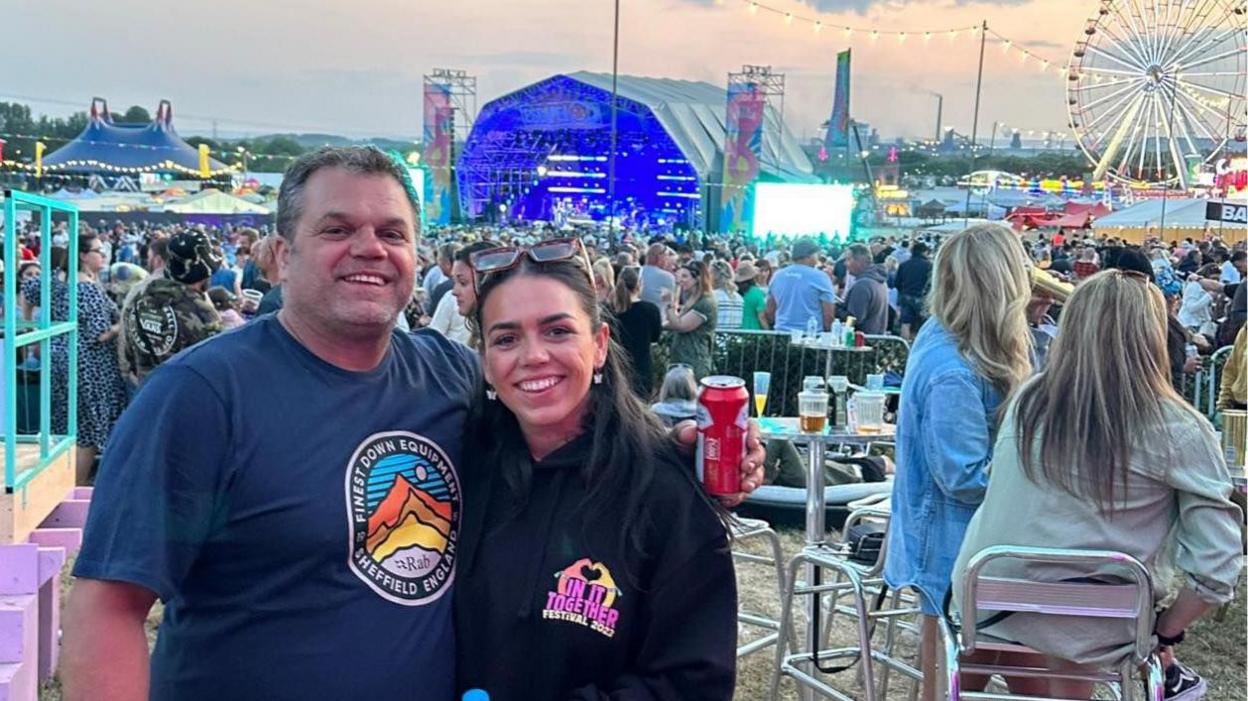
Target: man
289	489
913	278
446	261
867	300
656	277
157	254
441	272
1233	269
800	293
171	311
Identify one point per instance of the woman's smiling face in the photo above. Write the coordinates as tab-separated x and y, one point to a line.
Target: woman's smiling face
540	354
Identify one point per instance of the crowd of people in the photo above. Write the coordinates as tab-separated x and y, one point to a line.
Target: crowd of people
522	427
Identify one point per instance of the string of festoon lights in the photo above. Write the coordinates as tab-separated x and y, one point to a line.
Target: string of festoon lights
921	37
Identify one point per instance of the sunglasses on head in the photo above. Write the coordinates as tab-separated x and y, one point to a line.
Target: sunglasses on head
1133	274
494	260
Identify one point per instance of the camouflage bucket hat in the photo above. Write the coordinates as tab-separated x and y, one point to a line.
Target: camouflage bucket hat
191	257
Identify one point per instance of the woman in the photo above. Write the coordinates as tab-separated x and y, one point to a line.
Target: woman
678	397
692	319
639	324
604	280
101	390
450	317
753	297
592	563
1101	438
973	351
765	270
728	303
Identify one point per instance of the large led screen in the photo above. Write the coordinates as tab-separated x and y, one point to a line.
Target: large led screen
787	209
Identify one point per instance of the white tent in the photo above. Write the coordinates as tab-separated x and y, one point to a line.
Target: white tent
1158	218
211	201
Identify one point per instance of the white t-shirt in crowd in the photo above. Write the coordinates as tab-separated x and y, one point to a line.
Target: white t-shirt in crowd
449	322
1230	274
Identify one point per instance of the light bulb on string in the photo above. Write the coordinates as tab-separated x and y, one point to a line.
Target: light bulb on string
1005	47
953	34
818	27
849	31
927	36
901	38
788	18
754	8
875	34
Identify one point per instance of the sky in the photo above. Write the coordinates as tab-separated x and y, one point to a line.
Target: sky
354	67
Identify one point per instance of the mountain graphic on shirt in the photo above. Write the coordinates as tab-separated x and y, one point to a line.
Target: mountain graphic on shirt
408	519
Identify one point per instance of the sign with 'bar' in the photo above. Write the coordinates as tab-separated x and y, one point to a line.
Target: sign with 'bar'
1227	212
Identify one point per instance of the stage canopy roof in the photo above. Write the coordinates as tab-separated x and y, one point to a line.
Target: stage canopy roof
670	143
693	113
106	147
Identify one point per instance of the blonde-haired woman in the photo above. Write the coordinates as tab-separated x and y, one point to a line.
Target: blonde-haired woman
728	302
973	351
1102	438
604	280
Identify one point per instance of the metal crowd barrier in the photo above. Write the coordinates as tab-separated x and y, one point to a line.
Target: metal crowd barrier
742	353
1213	369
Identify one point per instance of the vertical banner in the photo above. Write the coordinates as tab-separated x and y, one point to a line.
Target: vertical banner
838	125
439	137
743	144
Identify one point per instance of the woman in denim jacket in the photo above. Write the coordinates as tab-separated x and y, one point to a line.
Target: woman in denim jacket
972	352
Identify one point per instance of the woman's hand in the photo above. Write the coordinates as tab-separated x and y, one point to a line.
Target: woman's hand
686	433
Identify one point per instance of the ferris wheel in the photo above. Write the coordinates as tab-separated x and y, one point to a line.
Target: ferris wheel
1157	86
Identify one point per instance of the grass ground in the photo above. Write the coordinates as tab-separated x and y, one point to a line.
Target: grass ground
1216	646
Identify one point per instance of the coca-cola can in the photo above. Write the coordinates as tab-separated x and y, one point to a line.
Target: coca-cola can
723	416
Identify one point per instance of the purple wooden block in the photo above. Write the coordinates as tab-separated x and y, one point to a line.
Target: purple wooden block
17	682
51	560
71	513
70	539
49	628
19	628
19	569
81	493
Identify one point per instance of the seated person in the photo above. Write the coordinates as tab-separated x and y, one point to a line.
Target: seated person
1098	451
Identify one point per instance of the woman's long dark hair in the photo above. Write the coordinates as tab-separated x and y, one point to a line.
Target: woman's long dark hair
627	441
626	285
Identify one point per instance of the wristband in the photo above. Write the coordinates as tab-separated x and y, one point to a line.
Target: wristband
1168	641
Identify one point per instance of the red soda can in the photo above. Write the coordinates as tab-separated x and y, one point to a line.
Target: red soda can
860	339
723	415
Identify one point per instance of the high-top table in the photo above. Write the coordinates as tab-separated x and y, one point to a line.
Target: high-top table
788	428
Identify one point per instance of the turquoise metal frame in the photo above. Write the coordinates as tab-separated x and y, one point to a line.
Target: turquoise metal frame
41	331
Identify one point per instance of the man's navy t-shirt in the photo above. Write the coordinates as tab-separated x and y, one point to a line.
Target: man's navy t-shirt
299	521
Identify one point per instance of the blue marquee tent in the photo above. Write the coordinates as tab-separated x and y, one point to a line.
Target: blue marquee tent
105	147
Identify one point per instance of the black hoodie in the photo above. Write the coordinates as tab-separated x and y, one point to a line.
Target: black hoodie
549	604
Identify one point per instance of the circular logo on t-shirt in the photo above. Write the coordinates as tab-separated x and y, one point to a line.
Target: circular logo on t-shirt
403	507
156	328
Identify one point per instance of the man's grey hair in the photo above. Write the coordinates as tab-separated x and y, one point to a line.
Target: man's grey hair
362	160
860	251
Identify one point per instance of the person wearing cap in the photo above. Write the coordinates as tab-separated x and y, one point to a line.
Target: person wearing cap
753	298
172	311
800	293
223	301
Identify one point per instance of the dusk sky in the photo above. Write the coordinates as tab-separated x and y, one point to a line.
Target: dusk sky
355	67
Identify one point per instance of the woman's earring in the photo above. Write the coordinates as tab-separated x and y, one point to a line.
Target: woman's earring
598	377
490	394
